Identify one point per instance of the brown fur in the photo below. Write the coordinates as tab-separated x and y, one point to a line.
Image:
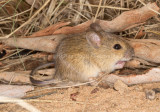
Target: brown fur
77	60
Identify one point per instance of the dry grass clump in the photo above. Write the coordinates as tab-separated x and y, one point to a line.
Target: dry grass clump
31	16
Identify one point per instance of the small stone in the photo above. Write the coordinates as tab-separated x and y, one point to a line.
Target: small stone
121	87
150	94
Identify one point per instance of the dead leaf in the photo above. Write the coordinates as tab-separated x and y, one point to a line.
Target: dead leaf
140	33
73	96
94	90
34	2
50	29
150	76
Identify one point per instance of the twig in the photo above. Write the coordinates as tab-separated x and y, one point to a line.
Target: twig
20	102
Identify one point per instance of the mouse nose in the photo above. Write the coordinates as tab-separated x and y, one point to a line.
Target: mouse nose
129	53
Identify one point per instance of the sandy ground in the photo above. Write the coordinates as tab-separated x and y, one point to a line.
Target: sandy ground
91	99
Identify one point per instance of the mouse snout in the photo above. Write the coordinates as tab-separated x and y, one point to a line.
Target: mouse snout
129	54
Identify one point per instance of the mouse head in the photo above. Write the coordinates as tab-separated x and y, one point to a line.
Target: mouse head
112	48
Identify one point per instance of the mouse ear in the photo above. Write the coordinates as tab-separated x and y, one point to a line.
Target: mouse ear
93	39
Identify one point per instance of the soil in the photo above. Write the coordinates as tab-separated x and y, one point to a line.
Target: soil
90	99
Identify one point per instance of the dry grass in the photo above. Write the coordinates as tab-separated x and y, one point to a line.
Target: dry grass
20	19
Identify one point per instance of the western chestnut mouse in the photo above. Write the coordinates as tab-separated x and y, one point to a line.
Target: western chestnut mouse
80	58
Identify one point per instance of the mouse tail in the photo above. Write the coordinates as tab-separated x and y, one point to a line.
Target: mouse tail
44	82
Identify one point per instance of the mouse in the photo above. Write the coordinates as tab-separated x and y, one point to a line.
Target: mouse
83	57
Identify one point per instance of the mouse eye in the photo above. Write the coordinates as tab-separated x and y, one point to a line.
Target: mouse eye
117	46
